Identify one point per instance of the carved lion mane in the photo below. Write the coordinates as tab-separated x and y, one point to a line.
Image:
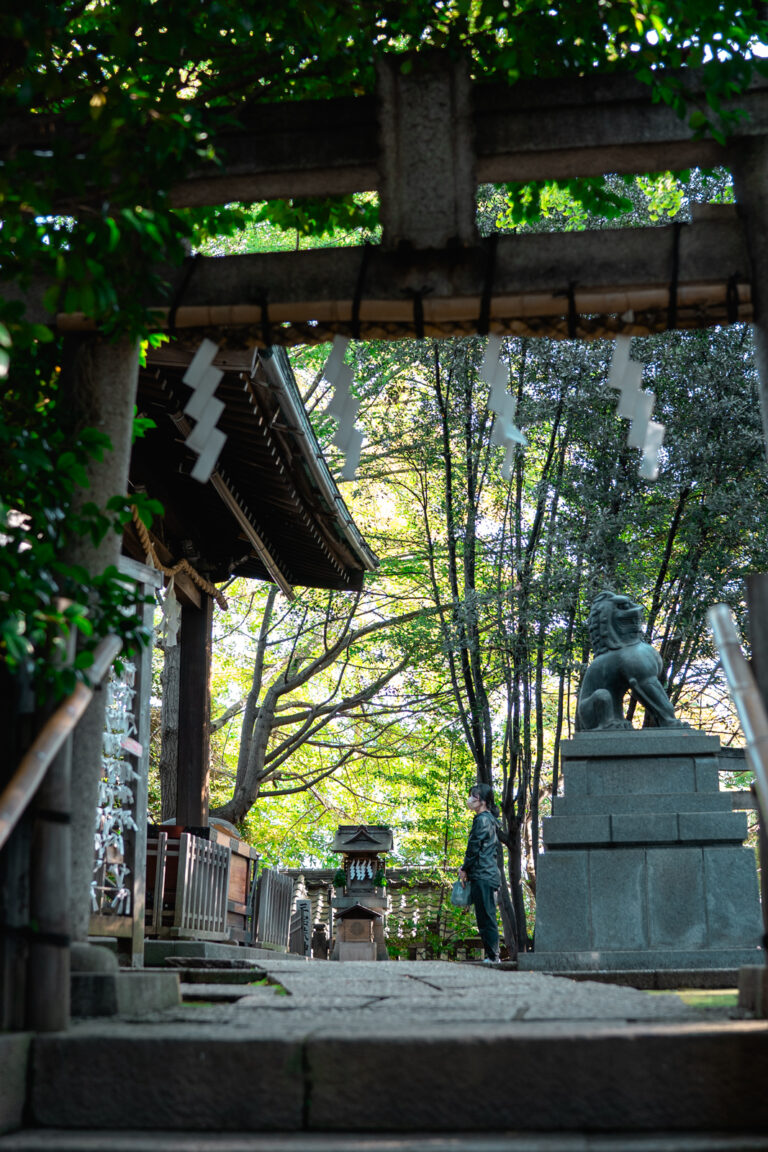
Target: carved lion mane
613	622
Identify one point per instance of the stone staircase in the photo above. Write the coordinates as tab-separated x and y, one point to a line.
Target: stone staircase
427	1057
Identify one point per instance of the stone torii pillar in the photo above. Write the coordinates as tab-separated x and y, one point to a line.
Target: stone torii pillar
427	183
99	381
748	159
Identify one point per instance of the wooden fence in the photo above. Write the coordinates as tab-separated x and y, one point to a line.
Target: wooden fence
272	910
191	882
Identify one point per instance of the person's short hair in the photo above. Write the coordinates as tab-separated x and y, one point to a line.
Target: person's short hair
483	792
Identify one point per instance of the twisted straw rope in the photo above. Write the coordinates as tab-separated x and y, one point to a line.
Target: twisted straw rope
182	566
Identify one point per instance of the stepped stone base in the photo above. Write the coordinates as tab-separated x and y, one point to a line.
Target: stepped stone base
644	865
648	960
658	979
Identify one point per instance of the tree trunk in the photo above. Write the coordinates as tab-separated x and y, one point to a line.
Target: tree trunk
99	384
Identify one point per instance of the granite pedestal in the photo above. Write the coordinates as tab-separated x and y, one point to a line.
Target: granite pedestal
644	865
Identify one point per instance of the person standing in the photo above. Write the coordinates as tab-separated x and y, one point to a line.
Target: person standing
481	869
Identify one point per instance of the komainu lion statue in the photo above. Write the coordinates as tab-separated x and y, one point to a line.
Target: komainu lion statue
622	661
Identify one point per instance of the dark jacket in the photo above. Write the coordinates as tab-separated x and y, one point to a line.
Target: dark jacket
480	859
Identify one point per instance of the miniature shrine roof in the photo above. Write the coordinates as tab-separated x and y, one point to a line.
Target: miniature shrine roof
358	912
271	510
363	838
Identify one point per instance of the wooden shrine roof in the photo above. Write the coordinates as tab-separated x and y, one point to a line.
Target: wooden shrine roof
358	912
362	838
271	510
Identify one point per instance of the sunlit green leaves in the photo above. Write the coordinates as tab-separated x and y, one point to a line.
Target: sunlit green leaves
308	217
574	199
43	598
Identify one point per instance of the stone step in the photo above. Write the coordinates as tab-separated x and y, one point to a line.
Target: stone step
640	742
156	951
123	992
58	1140
624	829
636	802
442	1078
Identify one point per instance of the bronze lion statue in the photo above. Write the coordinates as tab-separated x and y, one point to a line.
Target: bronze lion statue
622	661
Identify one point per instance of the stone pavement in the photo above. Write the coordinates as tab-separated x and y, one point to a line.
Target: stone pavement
407	996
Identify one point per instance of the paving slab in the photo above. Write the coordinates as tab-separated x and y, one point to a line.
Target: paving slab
417	994
225	993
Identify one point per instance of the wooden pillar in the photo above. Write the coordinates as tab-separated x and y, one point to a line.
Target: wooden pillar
194	713
748	159
48	980
757	603
169	732
18	724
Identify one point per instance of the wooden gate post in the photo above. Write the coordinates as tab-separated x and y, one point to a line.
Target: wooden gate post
194	714
48	991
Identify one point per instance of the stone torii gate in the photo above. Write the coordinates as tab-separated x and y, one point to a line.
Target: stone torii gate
424	142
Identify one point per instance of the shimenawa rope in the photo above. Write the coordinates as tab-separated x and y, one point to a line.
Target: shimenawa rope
182	566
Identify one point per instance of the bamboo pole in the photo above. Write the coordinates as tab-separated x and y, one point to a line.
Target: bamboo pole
746	697
617	301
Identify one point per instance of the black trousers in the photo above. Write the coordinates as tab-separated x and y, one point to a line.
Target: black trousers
485	911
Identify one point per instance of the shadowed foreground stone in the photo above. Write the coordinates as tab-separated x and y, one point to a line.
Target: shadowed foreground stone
210	1083
154	1141
14	1054
602	1080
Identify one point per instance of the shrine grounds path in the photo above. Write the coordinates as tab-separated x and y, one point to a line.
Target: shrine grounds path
402	1057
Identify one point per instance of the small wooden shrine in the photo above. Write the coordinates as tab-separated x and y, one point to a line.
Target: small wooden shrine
360	902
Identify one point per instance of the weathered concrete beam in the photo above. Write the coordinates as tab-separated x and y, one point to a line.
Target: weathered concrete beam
535	130
610	271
